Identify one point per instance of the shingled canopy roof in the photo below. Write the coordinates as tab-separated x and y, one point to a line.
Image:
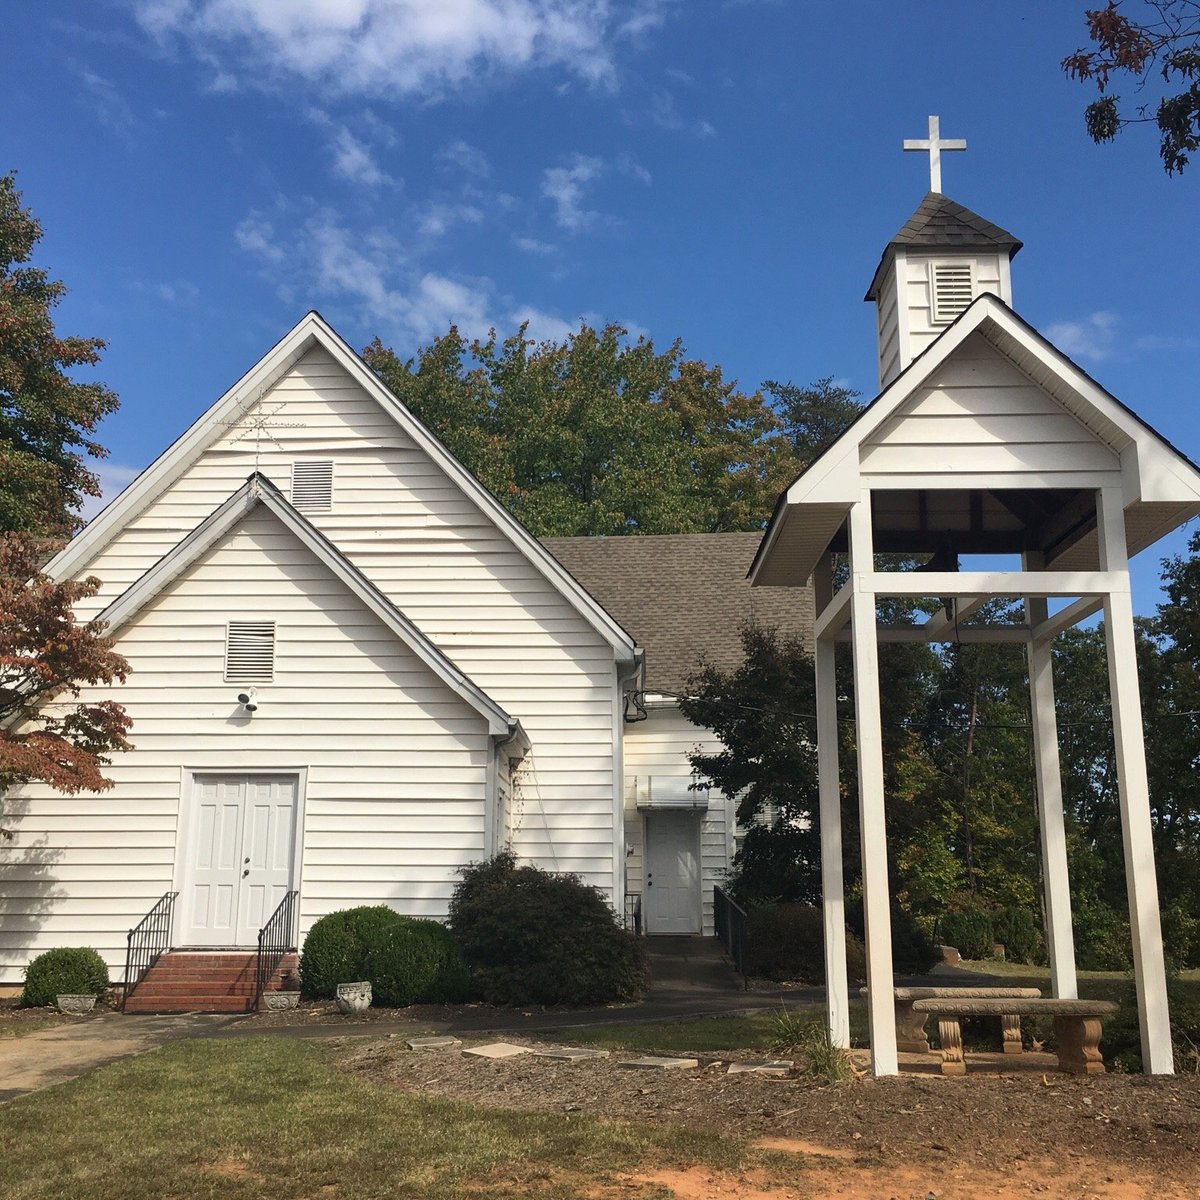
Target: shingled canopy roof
682	596
941	222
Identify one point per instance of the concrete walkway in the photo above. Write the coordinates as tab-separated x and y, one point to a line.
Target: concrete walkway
34	1061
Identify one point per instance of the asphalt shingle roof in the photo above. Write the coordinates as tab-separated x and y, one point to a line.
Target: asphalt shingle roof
682	596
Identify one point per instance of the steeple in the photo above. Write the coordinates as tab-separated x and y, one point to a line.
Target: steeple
943	257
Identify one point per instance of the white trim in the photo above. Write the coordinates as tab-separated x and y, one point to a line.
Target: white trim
993	583
312	330
180	874
257	490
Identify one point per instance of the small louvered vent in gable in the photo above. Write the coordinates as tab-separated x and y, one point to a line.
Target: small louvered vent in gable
952	290
250	651
312	486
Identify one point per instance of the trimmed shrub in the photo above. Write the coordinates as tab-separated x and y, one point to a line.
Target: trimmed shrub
969	930
67	971
913	951
1017	929
787	943
407	960
531	937
1102	941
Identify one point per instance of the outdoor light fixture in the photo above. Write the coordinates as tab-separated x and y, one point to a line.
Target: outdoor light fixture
247	700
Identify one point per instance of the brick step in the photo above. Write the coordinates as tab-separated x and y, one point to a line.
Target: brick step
184	981
199	1004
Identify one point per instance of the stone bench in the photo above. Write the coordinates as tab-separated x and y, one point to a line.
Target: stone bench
910	1025
1077	1027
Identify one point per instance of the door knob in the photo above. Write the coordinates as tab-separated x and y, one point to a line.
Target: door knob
246	860
245	872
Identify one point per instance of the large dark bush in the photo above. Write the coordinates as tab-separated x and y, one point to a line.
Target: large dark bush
407	960
1102	941
1016	929
533	937
913	951
787	942
969	930
64	972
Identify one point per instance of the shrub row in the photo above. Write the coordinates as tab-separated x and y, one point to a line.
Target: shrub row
975	931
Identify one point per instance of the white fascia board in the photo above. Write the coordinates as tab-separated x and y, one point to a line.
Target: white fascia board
258	490
311	330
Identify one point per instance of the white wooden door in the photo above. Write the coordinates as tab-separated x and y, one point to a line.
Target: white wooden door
240	852
672	895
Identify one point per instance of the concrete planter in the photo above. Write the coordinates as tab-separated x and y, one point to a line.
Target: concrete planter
75	1004
281	1001
354	997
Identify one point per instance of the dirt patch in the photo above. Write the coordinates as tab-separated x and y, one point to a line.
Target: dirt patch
227	1168
15	1020
986	1137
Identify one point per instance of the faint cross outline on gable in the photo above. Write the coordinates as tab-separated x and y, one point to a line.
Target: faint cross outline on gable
934	144
259	425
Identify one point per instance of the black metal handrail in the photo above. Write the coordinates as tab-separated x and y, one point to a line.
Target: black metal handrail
147	942
275	939
633	912
732	925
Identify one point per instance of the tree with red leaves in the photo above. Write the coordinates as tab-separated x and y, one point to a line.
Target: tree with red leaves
46	423
1160	46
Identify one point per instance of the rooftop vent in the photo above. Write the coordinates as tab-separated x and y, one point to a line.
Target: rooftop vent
312	486
250	651
953	290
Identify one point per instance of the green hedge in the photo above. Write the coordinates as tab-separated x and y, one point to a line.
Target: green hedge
969	931
531	937
64	972
787	943
407	960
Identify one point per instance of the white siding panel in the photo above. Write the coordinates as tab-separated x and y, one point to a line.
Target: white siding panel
658	748
395	782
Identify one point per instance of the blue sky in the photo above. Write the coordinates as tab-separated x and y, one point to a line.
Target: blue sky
722	171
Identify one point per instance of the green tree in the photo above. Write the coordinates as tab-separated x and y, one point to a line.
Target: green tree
46	424
597	435
47	418
1157	45
813	417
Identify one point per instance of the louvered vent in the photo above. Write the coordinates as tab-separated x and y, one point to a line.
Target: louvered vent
952	290
312	486
250	651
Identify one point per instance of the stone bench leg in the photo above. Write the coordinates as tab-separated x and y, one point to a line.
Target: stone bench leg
910	1029
1078	1041
950	1035
1011	1029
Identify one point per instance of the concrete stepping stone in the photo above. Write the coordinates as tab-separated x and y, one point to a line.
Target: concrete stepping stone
496	1050
570	1053
432	1043
776	1066
652	1062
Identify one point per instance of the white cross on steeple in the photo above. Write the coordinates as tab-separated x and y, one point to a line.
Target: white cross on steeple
935	145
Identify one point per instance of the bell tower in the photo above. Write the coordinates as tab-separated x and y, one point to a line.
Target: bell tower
944	256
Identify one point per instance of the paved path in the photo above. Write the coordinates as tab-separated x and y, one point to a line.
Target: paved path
37	1060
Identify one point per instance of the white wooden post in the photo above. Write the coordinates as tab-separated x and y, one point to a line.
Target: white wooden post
833	895
1140	877
881	1008
1060	941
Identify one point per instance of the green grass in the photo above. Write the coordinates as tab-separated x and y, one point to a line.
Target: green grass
1093	985
273	1117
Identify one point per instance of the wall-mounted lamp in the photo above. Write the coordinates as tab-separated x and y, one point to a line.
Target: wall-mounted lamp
248	700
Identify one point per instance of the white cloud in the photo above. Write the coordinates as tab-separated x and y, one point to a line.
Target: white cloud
628	165
398	48
352	158
257	235
1092	337
542	327
110	108
468	158
113	479
435	220
566	186
533	246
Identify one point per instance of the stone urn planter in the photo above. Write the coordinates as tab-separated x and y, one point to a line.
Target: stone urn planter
281	1001
78	1005
354	997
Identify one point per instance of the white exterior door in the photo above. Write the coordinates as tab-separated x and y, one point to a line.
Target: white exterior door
240	853
672	895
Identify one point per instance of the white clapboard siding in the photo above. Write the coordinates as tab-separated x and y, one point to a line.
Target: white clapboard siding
658	747
979	414
394	797
987	276
423	542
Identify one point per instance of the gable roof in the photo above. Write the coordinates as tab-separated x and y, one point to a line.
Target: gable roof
682	596
258	490
1162	484
942	223
312	330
